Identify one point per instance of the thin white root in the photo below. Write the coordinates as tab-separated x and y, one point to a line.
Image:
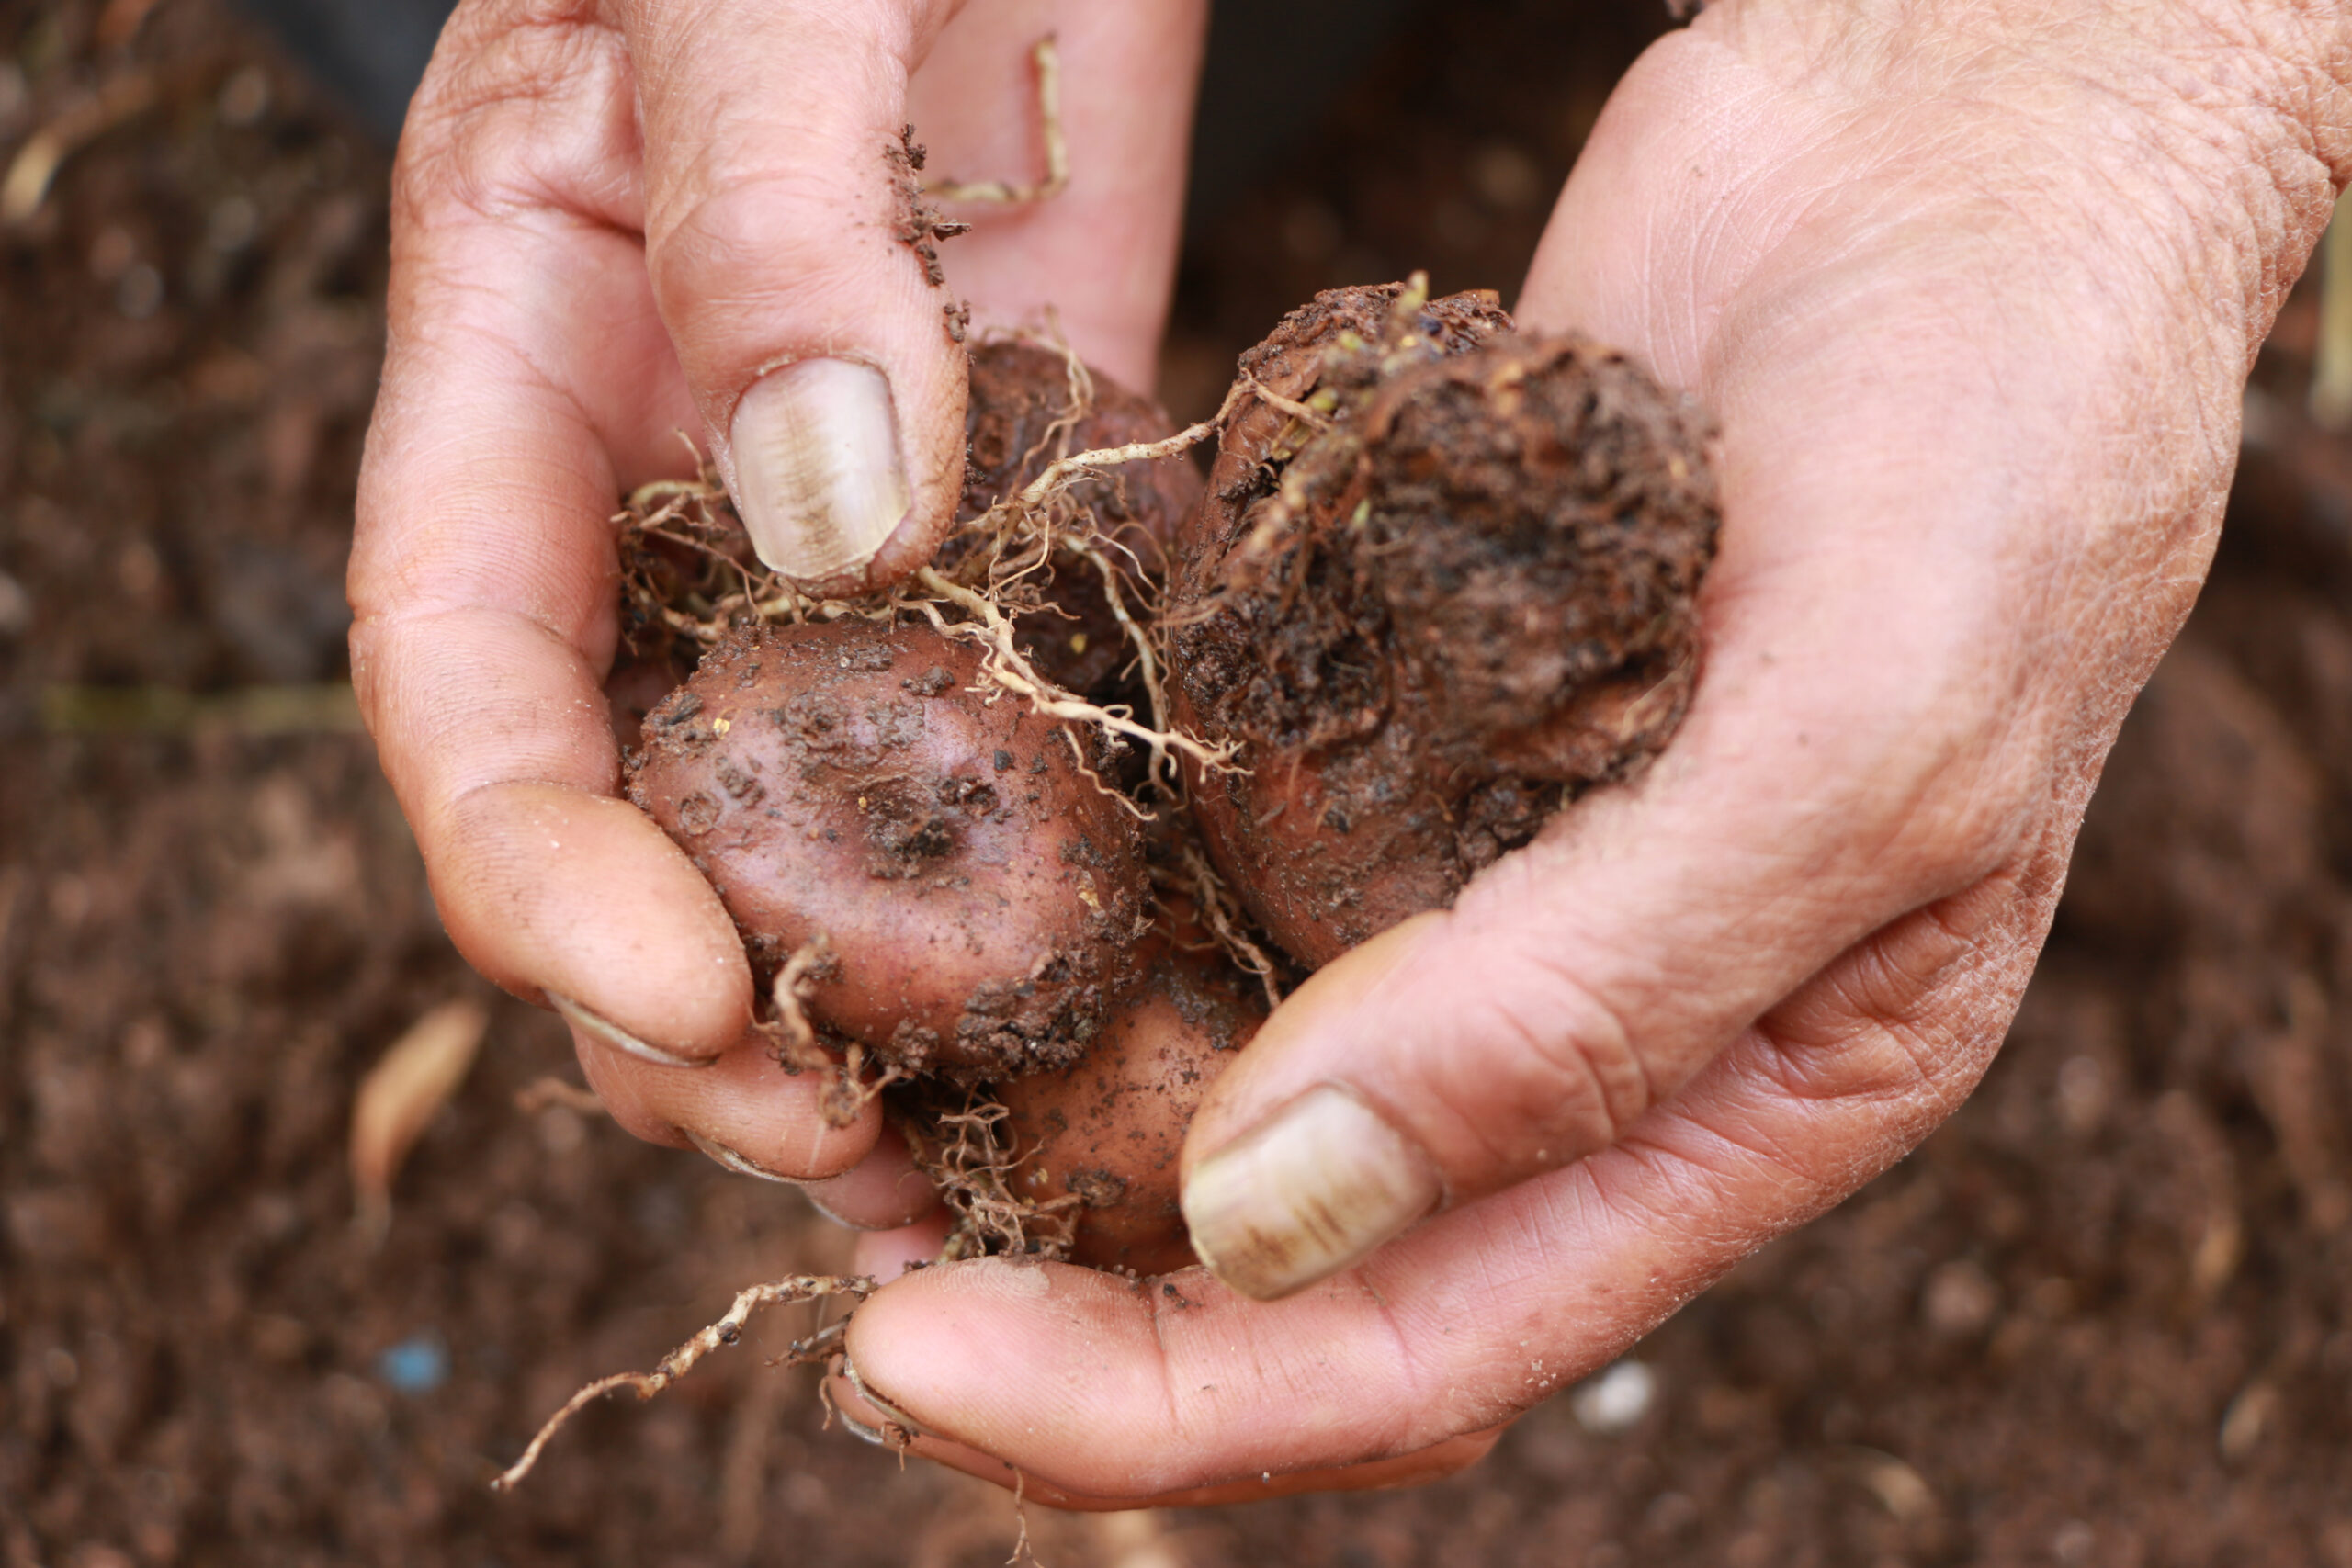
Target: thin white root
790	994
1003	193
1061	471
993	631
1212	901
680	1361
1306	414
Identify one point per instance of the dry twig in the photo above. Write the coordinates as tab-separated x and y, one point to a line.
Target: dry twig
26	185
399	1097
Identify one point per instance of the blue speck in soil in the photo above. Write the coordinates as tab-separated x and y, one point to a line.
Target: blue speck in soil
418	1364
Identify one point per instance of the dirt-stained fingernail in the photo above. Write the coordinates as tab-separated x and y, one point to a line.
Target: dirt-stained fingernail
742	1164
819	478
604	1031
1304	1193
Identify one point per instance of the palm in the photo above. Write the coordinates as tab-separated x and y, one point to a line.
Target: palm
1938	310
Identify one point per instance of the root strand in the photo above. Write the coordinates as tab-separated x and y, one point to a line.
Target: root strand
680	1361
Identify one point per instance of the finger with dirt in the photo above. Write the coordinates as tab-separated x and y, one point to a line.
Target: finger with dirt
1965	511
796	254
531	377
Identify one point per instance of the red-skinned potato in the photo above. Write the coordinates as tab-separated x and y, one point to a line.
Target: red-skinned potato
981	895
1457	590
1017	424
1108	1130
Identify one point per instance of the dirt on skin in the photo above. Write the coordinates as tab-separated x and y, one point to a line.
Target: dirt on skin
980	892
1445	579
2101	1319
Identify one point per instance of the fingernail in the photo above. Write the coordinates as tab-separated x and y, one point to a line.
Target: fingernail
1306	1193
739	1163
818	476
603	1030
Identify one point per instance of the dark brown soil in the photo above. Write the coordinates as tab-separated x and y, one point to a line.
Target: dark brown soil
1446	579
2099	1319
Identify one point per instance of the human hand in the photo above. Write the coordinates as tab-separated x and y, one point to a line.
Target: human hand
616	221
1972	289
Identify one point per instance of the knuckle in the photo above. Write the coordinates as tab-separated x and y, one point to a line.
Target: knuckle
742	231
527	103
1558	1073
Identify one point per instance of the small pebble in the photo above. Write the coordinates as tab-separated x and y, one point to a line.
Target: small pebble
1614	1400
1960	1300
418	1364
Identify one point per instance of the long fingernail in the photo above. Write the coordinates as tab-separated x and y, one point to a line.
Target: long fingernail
606	1031
818	476
1304	1193
740	1164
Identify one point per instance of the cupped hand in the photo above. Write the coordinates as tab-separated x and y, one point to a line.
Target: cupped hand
618	219
1972	291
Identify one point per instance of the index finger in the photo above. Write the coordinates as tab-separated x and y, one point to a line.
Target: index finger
484	577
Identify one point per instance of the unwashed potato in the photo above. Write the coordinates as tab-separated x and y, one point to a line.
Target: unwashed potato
1015	424
1108	1130
981	895
1457	590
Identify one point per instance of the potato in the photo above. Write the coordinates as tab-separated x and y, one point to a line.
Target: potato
1107	1130
1442	579
1456	593
982	894
1020	391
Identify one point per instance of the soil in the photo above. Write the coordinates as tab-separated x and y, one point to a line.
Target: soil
2099	1318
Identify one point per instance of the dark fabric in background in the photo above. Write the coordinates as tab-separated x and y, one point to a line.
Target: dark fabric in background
1271	69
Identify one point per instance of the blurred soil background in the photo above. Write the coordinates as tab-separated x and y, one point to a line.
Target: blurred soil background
2103	1317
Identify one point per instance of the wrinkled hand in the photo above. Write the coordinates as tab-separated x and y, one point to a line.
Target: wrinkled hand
1973	290
616	221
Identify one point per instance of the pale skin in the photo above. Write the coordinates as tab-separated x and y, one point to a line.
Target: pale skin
1972	289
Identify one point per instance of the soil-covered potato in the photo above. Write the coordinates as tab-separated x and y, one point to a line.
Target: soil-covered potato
1107	1131
981	895
1444	579
1017	424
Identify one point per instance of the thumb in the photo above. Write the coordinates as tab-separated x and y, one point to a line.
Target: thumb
1576	986
795	267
